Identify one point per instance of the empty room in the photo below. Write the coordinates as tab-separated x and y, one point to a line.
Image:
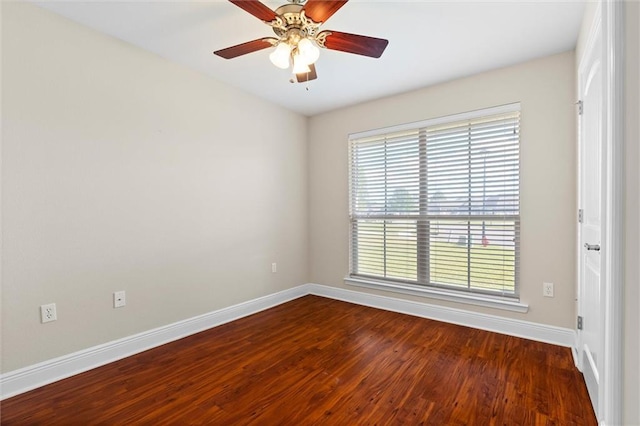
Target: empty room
297	212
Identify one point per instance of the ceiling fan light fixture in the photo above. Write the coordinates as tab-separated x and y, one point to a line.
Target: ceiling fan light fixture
307	51
280	56
297	27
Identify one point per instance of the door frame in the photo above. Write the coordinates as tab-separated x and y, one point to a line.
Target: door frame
610	15
613	32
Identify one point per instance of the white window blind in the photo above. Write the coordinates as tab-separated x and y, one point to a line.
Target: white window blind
438	204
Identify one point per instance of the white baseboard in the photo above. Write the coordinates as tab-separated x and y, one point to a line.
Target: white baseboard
34	376
512	327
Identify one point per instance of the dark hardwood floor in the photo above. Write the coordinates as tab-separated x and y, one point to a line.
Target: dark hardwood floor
321	361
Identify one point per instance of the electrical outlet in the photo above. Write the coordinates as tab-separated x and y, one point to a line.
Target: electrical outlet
119	299
547	289
274	267
48	313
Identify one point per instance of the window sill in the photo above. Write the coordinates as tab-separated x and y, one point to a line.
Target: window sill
441	294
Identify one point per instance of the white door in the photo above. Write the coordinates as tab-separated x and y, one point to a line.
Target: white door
590	291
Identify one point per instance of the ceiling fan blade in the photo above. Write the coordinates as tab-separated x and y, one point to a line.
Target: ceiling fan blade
321	10
354	43
256	8
244	48
307	76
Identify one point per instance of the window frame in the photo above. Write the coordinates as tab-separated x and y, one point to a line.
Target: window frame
425	287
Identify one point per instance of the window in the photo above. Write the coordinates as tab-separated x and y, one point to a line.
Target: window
436	203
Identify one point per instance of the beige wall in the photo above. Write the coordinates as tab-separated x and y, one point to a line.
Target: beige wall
545	87
122	171
632	216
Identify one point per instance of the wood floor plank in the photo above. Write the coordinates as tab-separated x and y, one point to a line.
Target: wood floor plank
321	361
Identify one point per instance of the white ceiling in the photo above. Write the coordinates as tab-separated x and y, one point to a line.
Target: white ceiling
429	42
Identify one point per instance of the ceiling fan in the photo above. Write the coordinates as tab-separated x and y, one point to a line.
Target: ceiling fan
297	27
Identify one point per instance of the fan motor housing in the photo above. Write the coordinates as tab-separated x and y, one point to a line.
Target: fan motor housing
291	16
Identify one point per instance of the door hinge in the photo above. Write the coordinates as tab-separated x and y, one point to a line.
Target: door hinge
580	324
580	215
580	107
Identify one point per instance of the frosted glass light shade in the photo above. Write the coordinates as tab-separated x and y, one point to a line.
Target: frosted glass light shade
299	65
307	51
280	56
